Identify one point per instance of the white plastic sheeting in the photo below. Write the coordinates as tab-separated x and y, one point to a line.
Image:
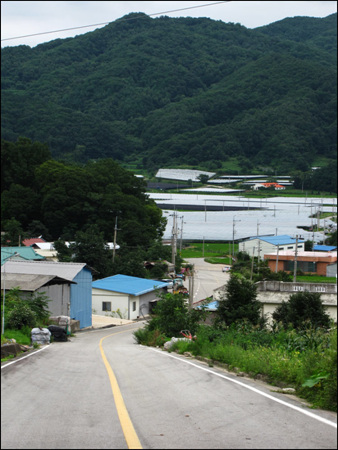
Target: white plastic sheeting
277	216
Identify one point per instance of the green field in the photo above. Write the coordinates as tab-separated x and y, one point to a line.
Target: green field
208	250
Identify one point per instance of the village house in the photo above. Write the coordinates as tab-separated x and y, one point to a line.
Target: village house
125	296
260	245
308	262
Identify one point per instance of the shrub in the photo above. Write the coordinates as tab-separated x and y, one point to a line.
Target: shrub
171	316
302	309
239	303
21	315
153	338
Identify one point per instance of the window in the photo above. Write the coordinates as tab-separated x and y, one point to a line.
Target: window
134	306
304	266
290	248
106	306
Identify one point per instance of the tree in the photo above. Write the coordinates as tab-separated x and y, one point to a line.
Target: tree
171	316
90	248
239	302
203	178
13	233
302	309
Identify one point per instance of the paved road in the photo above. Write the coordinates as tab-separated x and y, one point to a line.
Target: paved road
62	397
207	277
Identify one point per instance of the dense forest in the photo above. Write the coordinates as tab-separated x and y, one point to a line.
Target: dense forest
82	203
166	92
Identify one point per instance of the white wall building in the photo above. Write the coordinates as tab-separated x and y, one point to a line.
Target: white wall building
261	245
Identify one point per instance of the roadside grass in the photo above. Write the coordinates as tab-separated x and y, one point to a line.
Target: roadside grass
20	336
304	360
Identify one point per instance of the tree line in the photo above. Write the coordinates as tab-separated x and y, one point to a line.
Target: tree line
170	91
81	203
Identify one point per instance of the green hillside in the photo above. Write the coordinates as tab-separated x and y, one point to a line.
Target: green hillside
165	91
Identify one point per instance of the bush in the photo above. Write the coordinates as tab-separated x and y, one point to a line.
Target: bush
302	309
171	316
20	316
153	338
239	303
21	311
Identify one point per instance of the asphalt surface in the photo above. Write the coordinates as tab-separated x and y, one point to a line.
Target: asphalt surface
61	397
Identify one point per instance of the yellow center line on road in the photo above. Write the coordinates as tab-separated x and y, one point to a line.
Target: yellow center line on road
126	424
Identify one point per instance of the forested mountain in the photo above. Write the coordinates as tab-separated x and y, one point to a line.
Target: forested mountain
169	91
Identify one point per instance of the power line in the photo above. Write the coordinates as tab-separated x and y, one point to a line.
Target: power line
106	23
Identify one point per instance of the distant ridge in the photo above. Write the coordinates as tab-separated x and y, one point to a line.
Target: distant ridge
163	92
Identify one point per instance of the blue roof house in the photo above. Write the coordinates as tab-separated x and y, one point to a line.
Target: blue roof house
125	296
261	245
324	248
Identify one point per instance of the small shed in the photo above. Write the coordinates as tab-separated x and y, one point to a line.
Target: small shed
125	296
57	289
79	276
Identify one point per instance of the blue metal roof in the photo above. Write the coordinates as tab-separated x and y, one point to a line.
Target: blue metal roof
128	285
212	306
324	248
278	240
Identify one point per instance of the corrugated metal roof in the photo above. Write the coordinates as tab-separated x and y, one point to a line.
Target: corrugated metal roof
128	285
29	242
27	253
29	282
278	240
212	306
61	269
324	248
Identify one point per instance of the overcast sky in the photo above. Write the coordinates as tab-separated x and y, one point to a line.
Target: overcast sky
26	18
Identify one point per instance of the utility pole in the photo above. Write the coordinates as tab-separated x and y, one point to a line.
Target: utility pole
259	254
318	218
173	240
191	289
4	292
182	217
115	233
252	262
233	235
277	258
295	263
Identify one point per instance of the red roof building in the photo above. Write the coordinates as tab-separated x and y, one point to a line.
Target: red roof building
29	242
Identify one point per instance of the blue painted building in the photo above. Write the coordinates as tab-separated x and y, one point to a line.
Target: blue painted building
79	299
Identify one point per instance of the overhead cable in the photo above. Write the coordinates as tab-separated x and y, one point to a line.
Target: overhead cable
106	23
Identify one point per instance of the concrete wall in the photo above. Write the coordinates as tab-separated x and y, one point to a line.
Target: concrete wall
273	293
118	301
123	302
